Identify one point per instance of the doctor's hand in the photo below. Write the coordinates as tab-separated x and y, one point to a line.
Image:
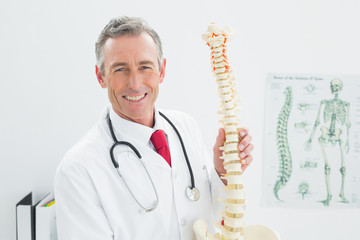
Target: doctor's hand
245	147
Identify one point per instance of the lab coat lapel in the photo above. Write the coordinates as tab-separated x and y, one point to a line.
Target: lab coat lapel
152	158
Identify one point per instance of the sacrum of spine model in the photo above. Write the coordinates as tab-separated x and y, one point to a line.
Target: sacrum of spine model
231	224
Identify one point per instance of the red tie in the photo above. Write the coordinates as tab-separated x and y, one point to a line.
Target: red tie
158	139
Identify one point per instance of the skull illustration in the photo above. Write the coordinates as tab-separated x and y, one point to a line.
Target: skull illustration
336	86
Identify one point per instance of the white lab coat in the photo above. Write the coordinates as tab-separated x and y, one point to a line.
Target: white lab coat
93	203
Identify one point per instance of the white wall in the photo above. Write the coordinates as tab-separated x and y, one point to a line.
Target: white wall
49	95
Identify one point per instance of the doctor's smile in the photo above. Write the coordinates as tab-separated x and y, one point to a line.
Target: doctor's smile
135	98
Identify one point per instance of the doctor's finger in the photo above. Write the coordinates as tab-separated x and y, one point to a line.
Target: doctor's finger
244	142
247	151
246	162
243	132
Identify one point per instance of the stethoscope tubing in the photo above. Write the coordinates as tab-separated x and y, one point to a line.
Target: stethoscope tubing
122	143
191	191
183	148
116	165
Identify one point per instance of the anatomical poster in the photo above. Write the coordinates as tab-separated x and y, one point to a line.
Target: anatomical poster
312	141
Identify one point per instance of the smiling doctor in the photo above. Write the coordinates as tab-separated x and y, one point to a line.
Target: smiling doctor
139	173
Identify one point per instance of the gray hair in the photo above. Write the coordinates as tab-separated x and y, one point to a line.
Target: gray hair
124	26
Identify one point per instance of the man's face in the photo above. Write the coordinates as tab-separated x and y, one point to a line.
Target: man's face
132	76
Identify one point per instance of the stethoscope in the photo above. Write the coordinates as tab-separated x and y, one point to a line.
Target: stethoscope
191	192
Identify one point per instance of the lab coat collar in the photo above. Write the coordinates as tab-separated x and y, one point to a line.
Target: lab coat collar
137	131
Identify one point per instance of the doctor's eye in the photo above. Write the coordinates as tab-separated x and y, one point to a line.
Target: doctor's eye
121	69
144	67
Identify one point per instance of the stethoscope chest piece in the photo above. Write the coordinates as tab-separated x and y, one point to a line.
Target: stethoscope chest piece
192	194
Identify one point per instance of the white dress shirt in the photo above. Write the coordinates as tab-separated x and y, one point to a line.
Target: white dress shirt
93	202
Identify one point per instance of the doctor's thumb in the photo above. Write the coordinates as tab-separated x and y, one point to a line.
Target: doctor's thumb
220	139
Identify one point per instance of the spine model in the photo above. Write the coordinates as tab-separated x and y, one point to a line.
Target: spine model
231	224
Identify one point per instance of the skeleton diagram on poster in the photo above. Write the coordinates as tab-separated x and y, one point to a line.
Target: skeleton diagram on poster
312	145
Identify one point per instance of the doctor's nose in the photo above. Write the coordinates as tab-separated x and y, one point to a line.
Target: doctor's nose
134	80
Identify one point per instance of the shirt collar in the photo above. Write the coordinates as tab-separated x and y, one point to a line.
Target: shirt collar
135	130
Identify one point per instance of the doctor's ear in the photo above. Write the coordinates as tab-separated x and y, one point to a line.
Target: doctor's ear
162	70
100	78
